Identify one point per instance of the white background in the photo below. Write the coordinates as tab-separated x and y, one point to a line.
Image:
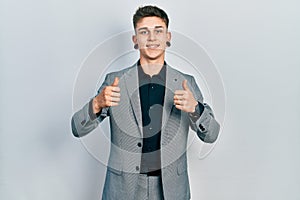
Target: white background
255	45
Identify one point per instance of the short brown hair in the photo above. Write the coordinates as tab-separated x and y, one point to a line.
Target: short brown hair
150	11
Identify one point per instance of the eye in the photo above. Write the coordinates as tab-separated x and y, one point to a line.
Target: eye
158	31
144	32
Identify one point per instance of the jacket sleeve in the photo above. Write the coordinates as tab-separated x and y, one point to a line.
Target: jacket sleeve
205	125
84	120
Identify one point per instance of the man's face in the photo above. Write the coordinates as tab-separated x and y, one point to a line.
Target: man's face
151	37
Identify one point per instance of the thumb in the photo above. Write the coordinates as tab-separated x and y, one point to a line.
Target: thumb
116	82
184	85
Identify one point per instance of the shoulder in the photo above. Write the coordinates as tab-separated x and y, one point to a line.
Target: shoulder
121	72
180	73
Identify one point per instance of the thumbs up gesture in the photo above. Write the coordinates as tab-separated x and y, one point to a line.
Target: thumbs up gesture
184	99
109	96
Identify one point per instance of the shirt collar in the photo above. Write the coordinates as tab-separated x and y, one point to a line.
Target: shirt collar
161	75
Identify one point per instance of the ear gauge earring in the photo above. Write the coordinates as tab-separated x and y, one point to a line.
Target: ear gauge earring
136	46
168	44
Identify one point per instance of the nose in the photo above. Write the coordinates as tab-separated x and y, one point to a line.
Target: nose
151	36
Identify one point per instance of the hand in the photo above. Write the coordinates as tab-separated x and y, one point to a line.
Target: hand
184	99
109	96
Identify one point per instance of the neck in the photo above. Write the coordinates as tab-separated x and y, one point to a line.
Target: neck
151	67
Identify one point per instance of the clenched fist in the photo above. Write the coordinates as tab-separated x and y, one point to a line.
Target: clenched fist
184	99
109	96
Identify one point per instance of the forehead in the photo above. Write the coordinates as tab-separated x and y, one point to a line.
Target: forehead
150	22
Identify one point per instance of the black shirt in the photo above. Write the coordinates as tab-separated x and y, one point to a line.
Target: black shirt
152	93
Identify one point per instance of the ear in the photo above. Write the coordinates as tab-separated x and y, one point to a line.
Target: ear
169	36
134	39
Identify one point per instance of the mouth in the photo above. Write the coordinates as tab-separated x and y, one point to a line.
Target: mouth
152	46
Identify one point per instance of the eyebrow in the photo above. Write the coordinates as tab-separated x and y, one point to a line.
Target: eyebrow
146	28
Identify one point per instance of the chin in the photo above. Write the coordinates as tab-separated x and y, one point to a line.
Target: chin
154	55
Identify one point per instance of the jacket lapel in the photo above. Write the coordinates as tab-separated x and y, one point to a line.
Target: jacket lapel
132	84
172	83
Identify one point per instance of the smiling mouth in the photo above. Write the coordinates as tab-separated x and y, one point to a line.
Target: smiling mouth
152	46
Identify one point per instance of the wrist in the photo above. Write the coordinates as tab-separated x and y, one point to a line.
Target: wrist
195	104
95	106
194	116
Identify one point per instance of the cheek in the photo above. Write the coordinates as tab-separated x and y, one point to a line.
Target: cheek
142	42
163	40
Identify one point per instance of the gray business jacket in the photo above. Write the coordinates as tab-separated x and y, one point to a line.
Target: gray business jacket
126	132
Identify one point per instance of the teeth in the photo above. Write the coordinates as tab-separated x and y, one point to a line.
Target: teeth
153	46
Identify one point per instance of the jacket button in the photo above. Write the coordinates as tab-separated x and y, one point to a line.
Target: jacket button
139	144
83	122
201	127
137	168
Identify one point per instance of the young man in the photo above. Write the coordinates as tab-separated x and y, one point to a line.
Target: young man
151	107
